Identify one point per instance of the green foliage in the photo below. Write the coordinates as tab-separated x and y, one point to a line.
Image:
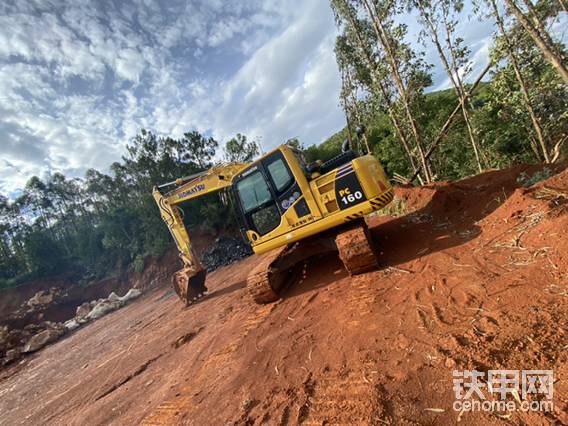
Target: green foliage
527	181
328	149
240	150
138	263
103	223
547	92
107	223
384	77
44	253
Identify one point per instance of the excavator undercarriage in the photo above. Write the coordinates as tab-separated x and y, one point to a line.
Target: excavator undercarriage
283	267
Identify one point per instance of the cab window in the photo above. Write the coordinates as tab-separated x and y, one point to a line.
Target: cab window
280	174
257	203
253	192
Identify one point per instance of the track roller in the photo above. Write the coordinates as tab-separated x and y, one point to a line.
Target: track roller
283	267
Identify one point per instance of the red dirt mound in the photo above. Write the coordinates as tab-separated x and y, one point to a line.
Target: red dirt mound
474	277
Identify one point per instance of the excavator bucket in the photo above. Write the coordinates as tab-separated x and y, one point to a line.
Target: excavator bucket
189	284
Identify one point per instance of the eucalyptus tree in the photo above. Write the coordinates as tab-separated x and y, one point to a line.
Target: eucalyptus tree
240	150
407	69
357	47
506	47
351	95
527	93
533	21
439	19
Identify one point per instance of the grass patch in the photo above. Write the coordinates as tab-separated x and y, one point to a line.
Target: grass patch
396	208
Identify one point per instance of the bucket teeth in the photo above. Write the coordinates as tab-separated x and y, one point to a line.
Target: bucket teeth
189	284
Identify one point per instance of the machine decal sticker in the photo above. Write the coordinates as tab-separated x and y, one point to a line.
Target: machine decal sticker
196	188
287	203
342	171
348	191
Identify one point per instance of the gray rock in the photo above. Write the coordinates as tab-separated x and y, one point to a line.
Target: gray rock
71	324
113	297
103	308
41	298
225	251
133	293
41	339
12	355
83	310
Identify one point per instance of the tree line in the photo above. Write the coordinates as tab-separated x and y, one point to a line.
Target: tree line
106	223
520	115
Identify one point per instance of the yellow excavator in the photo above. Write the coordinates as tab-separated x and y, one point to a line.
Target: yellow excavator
287	208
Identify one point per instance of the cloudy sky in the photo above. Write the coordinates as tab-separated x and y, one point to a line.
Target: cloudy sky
79	78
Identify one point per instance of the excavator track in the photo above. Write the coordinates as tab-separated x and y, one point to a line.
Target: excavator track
264	281
283	267
355	249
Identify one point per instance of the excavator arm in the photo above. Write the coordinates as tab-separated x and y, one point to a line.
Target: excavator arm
189	282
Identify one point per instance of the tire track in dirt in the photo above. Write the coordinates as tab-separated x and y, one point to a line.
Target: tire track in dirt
169	411
341	398
378	348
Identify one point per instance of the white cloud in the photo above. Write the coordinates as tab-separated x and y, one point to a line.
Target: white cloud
79	79
276	74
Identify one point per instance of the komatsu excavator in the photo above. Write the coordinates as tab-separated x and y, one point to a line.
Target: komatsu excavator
287	208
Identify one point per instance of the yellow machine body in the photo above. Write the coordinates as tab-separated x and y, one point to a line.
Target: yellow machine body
329	199
280	200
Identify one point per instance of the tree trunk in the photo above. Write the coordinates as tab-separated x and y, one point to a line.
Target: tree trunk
540	26
399	130
464	100
383	39
534	147
356	111
521	81
390	110
349	130
450	119
454	77
345	108
548	51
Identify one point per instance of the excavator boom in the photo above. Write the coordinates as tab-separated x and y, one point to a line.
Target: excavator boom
189	282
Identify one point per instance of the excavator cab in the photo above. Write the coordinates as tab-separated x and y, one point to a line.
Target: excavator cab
265	192
282	200
284	204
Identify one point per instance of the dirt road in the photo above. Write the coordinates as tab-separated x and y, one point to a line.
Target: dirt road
474	277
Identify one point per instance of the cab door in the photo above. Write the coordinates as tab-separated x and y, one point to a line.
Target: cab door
266	192
256	201
284	186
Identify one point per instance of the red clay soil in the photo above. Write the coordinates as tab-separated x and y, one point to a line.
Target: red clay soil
476	277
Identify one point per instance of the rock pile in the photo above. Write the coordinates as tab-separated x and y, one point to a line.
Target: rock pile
225	251
14	342
35	306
